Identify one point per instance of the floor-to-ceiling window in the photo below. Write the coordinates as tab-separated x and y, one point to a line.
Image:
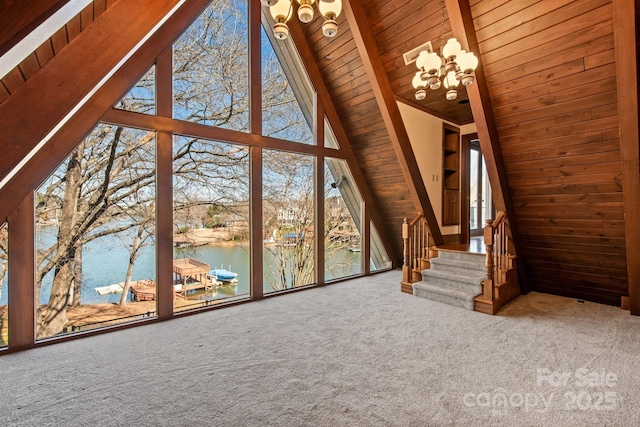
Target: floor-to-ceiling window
154	211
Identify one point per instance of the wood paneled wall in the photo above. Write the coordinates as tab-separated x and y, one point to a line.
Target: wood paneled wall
552	81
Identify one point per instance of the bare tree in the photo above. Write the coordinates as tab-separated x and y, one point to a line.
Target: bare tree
108	174
288	194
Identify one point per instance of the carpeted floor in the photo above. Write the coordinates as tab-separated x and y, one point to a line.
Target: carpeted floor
359	353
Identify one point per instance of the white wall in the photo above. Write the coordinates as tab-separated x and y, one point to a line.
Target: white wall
425	134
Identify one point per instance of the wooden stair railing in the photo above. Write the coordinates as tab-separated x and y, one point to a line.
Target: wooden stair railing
501	284
417	251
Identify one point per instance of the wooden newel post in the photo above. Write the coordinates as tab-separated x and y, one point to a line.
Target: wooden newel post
488	242
406	267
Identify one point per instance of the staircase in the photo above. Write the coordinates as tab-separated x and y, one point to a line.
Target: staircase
454	278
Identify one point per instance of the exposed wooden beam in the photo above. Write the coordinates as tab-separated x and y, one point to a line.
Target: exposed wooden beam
22	268
624	32
365	41
164	187
255	160
145	121
164	225
461	21
33	111
323	96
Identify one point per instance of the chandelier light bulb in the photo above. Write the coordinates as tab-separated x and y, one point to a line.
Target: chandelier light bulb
330	28
330	9
305	11
451	49
450	80
281	12
417	81
269	3
467	62
420	85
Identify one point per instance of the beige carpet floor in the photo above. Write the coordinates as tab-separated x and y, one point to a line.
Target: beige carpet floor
357	353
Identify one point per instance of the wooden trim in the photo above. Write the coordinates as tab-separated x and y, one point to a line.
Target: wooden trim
145	121
164	224
25	126
164	83
345	151
22	282
256	249
365	41
465	189
318	134
462	26
624	32
255	68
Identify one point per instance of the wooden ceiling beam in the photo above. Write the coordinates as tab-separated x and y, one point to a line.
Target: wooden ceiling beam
461	21
323	96
624	33
38	106
365	41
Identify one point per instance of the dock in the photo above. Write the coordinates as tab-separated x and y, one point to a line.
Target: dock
143	290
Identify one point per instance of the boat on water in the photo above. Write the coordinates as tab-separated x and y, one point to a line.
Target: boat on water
111	289
224	275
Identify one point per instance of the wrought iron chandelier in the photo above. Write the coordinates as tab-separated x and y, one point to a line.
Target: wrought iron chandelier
281	11
455	66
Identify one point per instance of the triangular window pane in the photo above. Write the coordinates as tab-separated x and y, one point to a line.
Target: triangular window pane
330	140
287	97
211	68
142	97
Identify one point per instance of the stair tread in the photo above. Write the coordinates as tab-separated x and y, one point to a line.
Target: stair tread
472	278
443	262
447	290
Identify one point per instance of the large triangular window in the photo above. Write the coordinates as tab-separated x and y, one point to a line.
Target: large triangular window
287	95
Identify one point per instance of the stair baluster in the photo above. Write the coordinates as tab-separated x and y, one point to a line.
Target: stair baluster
416	242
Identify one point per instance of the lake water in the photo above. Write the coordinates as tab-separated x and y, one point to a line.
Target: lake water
105	262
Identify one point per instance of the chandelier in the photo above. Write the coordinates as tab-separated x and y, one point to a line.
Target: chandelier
455	66
281	11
